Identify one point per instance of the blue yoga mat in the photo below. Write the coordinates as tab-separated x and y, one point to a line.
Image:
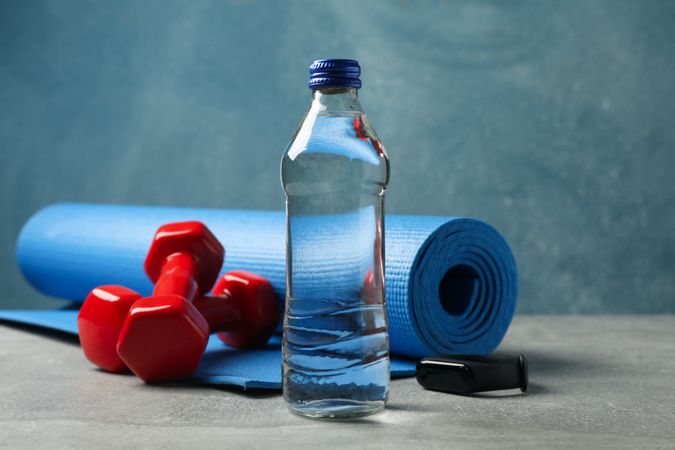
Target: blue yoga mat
451	282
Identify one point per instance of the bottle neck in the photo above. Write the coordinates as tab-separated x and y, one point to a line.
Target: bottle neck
336	99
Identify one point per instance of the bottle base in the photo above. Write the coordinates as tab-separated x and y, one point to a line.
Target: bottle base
336	408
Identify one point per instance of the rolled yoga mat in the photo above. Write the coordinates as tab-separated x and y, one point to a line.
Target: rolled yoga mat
451	283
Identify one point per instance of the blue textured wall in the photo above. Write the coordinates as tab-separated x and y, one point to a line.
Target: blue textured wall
554	121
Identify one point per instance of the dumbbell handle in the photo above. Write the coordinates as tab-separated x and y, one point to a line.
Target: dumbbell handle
243	310
223	312
178	277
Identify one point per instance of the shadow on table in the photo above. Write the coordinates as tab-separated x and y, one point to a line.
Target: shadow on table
248	392
61	336
542	365
71	339
546	366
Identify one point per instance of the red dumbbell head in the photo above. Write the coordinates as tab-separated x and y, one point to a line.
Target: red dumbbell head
186	237
163	338
259	308
99	323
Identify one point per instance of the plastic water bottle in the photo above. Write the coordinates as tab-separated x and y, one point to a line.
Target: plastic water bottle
334	174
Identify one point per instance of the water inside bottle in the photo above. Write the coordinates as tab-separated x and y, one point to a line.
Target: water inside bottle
336	348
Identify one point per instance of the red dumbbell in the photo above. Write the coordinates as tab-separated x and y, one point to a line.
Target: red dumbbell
165	340
184	259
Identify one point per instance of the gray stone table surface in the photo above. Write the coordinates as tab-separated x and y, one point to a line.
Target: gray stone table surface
596	382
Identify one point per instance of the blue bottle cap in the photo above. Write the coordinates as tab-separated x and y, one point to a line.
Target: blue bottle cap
334	73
